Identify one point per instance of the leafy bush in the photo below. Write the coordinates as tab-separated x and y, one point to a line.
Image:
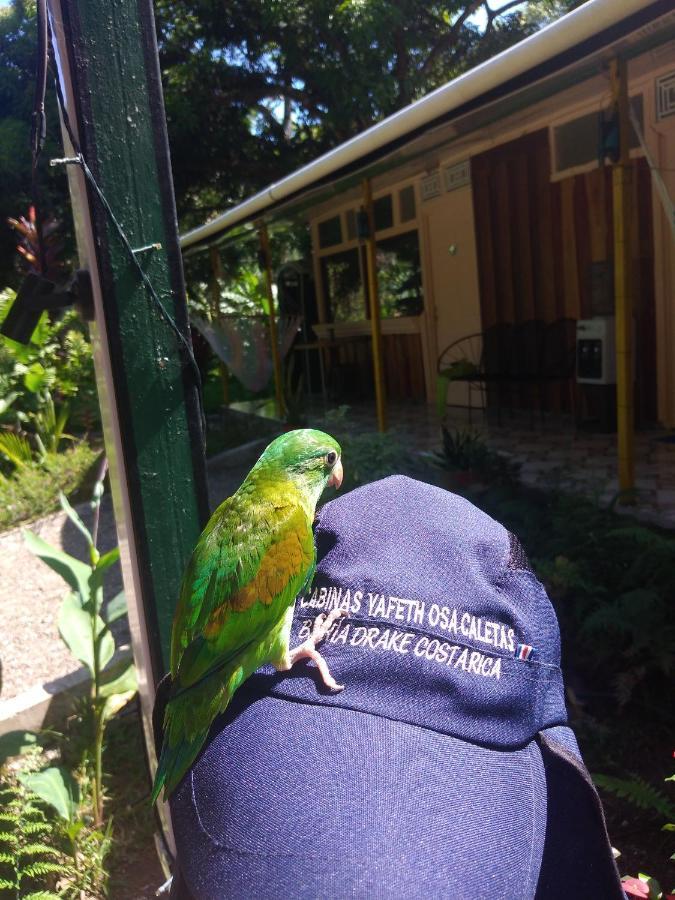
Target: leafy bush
244	294
638	792
55	368
610	581
33	490
465	450
74	792
49	846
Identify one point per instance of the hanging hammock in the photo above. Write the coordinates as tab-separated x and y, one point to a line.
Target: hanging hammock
243	344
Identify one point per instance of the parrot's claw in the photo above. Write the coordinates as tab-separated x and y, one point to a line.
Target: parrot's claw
323	624
307	650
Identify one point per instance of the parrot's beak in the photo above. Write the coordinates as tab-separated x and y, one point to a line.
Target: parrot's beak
335	479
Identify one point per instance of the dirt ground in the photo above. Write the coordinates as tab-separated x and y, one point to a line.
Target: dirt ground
31	651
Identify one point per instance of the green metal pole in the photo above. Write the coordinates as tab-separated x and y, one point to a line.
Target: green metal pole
109	76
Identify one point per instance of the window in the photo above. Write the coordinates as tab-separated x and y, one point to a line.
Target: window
577	142
350	218
400	276
343	287
330	232
406	203
383	213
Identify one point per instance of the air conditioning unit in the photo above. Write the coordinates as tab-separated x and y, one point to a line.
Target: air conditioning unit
596	350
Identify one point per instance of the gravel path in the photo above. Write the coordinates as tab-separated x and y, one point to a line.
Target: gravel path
31	651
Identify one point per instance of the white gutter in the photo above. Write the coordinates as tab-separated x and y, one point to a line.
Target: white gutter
584	22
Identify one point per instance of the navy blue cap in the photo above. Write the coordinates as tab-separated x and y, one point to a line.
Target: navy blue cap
427	775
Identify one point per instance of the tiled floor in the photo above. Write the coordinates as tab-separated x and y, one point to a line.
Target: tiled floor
553	454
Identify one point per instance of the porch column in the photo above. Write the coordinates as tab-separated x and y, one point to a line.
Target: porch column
374	300
622	178
266	264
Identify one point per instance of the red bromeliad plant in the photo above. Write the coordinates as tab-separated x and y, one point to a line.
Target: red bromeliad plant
29	245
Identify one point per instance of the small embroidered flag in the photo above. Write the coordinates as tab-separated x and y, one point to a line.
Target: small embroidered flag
524	651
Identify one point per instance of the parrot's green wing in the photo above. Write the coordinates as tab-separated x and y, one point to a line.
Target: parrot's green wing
244	573
247	569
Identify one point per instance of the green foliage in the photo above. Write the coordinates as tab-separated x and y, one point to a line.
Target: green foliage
256	88
31	859
16	448
89	848
638	792
85	629
55	786
32	490
50	426
465	450
279	83
18	52
76	799
243	293
53	844
610	581
248	297
50	380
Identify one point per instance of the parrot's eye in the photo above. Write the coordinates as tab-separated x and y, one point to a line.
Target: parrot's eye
331	458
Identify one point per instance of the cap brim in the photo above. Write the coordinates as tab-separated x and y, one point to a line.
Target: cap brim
300	800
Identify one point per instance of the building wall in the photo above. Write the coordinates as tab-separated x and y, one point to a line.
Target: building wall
576	211
448	232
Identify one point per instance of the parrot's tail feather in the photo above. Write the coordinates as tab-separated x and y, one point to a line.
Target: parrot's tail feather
174	763
187	721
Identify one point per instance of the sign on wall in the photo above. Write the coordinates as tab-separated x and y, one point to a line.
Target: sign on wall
457	176
431	186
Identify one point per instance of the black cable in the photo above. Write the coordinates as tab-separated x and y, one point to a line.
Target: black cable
89	175
39	121
39	124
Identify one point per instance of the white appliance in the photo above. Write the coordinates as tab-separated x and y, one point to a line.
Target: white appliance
596	350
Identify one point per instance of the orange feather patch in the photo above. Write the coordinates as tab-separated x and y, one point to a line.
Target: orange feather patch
284	559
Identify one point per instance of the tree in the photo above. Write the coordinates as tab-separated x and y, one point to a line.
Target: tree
256	88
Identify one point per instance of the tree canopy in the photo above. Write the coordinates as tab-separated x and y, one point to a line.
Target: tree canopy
255	88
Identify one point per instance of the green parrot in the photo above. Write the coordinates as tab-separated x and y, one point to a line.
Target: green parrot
235	609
